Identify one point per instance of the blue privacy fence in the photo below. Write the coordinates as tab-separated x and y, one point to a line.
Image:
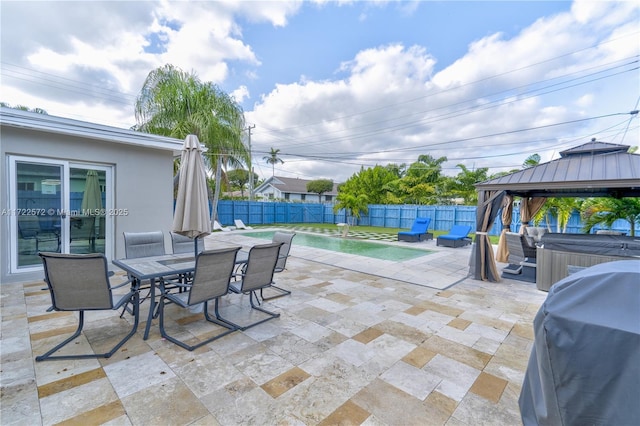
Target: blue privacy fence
384	216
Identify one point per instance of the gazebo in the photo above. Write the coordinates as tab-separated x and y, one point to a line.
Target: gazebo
594	169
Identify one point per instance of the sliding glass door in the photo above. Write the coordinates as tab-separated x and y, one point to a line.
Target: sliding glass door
57	206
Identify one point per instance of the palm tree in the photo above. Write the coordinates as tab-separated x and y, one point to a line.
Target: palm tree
561	208
353	204
531	161
605	211
176	103
273	159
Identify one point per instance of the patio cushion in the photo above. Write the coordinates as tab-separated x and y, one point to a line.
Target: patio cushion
418	231
457	232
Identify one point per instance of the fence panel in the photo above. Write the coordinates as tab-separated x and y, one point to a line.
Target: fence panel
268	213
225	212
379	215
393	216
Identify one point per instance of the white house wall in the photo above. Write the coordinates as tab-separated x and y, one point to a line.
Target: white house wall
142	181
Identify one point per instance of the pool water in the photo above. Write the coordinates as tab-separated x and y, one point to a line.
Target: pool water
343	245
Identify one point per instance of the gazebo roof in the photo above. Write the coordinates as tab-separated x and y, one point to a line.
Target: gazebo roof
594	169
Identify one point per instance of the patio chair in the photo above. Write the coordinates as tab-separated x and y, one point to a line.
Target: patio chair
418	231
218	227
83	228
80	282
182	244
285	238
457	237
143	244
256	274
240	224
29	228
211	279
146	244
522	260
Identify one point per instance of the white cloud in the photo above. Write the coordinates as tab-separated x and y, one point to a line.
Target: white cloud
386	104
500	87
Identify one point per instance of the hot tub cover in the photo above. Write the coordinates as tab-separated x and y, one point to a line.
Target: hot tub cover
585	364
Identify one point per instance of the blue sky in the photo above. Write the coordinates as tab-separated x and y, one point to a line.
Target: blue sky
337	86
317	39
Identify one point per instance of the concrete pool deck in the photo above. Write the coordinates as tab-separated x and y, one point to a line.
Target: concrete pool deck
350	347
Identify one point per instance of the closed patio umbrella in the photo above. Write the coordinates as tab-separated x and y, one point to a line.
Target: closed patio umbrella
191	215
91	198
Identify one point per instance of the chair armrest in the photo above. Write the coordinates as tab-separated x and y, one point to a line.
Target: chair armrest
129	281
175	284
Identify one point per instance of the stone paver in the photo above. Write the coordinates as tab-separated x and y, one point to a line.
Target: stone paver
350	347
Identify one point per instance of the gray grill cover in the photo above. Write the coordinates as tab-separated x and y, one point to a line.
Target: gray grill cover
585	364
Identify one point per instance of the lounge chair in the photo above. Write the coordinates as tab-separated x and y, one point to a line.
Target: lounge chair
522	259
458	236
240	224
418	231
218	227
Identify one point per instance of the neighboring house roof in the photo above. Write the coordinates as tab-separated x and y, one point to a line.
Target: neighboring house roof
65	126
291	186
592	169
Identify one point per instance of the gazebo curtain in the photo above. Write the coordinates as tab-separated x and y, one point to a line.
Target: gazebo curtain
502	254
528	209
483	264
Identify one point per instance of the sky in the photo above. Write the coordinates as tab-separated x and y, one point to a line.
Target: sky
338	86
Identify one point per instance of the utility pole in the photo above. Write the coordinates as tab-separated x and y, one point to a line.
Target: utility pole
250	165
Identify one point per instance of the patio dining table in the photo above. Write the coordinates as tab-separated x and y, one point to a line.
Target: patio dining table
154	268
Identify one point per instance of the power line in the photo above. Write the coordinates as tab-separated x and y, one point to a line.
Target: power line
445	116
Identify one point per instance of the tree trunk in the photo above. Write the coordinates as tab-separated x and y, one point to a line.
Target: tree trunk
216	194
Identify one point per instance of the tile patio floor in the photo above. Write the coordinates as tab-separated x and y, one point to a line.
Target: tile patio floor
350	348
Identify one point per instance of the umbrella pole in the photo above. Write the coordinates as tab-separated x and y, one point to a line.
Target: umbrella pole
195	244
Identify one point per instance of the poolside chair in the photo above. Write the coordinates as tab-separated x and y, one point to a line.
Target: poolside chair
256	274
80	282
218	227
457	237
418	231
211	279
285	238
522	259
240	224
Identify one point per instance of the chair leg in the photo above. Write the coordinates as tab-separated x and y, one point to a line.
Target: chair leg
218	320
280	292
271	316
47	356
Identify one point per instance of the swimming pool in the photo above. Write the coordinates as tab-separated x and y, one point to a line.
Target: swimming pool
344	245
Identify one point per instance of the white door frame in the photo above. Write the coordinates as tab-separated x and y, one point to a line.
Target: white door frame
65	195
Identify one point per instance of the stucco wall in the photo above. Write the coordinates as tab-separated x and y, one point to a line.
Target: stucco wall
142	181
